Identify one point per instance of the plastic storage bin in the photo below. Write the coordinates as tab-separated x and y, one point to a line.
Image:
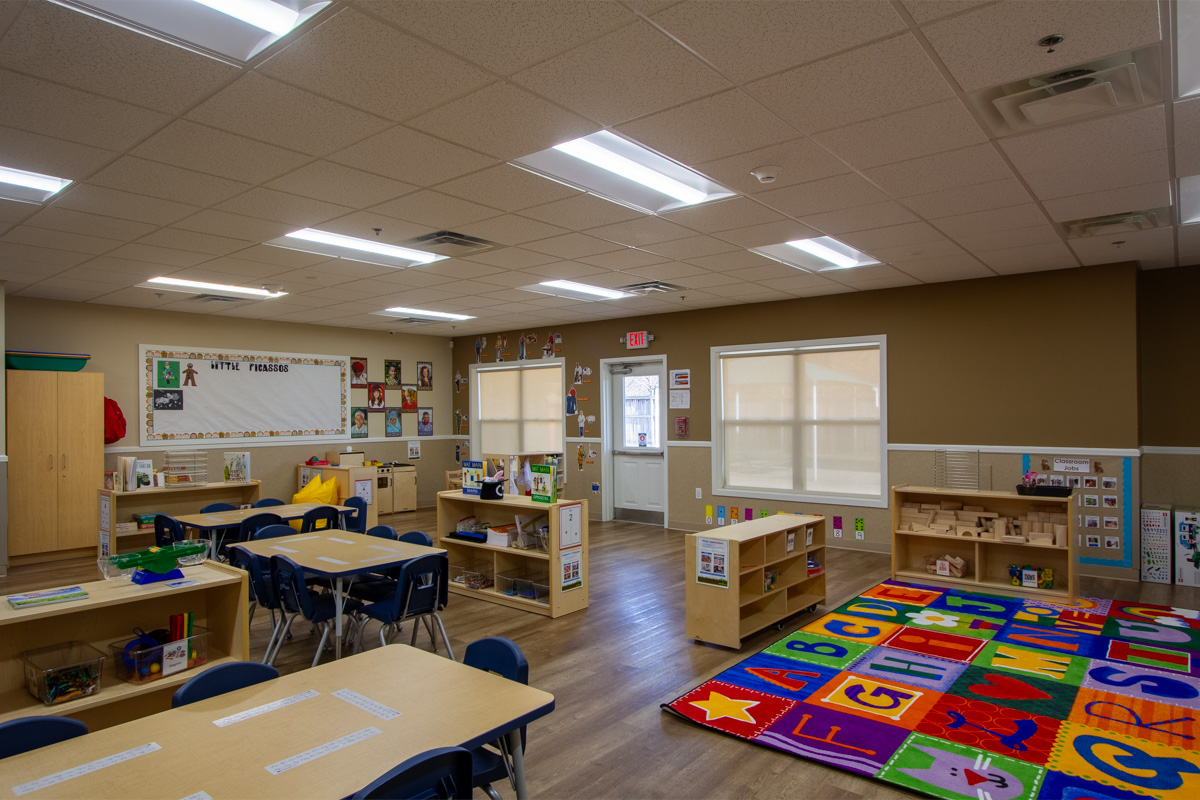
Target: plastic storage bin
63	672
527	583
472	574
145	664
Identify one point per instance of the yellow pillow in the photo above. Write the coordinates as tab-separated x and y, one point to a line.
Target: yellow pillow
317	491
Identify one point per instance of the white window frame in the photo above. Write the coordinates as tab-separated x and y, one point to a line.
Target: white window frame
475	405
772	348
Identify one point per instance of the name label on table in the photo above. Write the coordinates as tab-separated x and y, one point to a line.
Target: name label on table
376	558
298	539
181	584
84	769
322	750
284	549
366	704
332	560
197	796
265	708
342	541
381	547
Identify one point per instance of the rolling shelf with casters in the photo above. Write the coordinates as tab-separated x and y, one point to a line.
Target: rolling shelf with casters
769	577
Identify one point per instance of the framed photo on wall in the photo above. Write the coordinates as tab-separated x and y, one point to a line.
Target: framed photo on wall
358	372
425	422
392	425
391	372
425	376
358	423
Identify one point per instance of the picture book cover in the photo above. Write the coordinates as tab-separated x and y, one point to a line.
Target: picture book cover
545	486
472	472
46	596
144	473
237	467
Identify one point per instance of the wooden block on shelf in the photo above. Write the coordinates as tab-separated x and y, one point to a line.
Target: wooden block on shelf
951	505
1000	527
1013	539
966	530
972	508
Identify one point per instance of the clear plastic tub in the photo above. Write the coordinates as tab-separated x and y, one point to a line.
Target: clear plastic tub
111	571
527	583
195	558
63	672
472	574
145	664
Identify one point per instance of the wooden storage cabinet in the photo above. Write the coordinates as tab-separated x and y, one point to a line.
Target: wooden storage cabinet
55	423
756	549
110	613
174	501
987	559
453	506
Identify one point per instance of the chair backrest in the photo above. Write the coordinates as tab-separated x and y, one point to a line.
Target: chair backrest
221	679
288	577
383	532
272	532
501	656
423	585
417	537
167	530
444	772
267	502
314	516
261	586
213	508
357	521
29	733
254	522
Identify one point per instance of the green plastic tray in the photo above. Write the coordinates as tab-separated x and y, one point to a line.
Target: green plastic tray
52	362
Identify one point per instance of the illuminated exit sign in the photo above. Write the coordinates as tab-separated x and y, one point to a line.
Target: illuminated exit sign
637	340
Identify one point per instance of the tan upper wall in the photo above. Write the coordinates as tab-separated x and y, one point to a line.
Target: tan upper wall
1168	344
1040	359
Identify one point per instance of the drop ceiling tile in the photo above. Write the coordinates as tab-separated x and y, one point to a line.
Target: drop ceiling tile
797	282
34	259
976	164
1110	201
242	268
58	157
946	268
1156	246
135	298
861	218
752	292
723	215
749	40
892	282
503	121
163	180
860	275
911	233
1066	160
924	11
64	113
1187	136
582	211
691	247
72	293
799	160
998	43
435	209
995	240
61	240
165	256
67	47
1029	258
865	83
507	188
133	271
707	280
509	280
194	242
1000	219
370	65
511	229
512	258
63	219
198	147
710	129
408	155
980	197
270	111
729	262
123	205
12	211
628	73
566	271
924	251
770	233
647	230
363	224
279	257
909	134
502	35
268	204
573	245
830	194
669	271
456	268
1189	244
335	183
222	223
511	295
625	258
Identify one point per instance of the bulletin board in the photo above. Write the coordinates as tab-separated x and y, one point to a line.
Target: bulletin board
192	393
1103	502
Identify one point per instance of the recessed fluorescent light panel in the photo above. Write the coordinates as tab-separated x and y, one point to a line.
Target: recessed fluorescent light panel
822	254
29	187
228	30
618	169
400	311
1189	200
200	287
1187	47
370	251
576	291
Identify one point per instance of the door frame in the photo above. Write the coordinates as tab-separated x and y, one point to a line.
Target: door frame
606	432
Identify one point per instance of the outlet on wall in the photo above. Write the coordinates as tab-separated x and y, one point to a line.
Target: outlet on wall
699	494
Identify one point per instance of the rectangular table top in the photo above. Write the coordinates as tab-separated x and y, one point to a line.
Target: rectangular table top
330	731
228	519
338	553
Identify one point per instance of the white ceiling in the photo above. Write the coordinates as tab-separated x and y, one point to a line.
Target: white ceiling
401	114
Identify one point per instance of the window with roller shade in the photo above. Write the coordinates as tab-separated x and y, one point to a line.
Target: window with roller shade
517	408
801	421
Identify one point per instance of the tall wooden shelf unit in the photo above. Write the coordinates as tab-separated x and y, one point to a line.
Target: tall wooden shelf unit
725	616
989	559
453	506
109	613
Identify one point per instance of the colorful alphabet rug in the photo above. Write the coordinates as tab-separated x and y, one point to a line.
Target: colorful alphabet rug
963	695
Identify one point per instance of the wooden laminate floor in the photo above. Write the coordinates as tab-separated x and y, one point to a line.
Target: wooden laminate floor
611	666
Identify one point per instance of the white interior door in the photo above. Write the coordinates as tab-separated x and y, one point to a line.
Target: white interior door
637	413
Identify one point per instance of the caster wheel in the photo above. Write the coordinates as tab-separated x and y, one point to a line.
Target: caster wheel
778	626
812	608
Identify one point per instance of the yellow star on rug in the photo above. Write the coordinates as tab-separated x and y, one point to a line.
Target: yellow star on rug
718	705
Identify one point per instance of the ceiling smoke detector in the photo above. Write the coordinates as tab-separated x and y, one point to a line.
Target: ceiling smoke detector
767	174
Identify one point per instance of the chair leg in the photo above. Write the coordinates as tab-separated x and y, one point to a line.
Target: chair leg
445	639
321	645
285	624
275	634
250	618
491	792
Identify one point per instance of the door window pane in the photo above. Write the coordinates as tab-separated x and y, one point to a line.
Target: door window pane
640	406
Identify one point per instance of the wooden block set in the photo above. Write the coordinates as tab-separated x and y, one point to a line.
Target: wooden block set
953	518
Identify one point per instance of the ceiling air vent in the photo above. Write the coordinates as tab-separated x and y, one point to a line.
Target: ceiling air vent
650	287
218	298
450	243
1111	224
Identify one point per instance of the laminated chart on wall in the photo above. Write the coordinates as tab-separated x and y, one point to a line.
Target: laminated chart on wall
1104	501
241	395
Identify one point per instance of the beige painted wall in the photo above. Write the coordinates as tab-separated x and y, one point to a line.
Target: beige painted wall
1168	341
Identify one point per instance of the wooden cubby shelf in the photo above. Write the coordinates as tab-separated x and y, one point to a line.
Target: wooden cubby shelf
726	615
988	560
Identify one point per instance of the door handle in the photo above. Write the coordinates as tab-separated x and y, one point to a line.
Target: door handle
64	460
52	462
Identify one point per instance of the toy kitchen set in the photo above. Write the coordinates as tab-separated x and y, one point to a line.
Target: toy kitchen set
393	485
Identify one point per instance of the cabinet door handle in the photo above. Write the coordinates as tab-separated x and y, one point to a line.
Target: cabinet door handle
64	460
52	462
